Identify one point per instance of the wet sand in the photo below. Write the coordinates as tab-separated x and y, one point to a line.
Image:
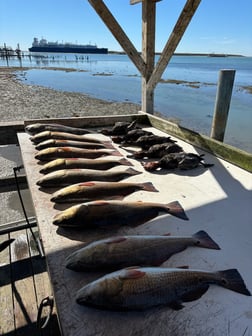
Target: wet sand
19	101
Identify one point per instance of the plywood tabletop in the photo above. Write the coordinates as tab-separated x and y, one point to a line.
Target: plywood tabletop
217	200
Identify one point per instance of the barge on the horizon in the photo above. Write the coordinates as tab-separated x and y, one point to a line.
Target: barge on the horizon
55	47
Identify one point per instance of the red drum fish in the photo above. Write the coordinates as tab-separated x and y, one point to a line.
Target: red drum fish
108	213
93	190
118	252
37	128
46	135
53	153
71	143
65	177
71	163
137	288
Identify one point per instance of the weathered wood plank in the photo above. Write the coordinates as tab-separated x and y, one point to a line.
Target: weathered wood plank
148	52
107	17
229	153
6	305
25	304
173	41
42	288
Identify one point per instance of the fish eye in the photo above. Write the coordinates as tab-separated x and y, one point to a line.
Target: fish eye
197	242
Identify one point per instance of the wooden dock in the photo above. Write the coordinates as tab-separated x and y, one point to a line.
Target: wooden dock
216	200
24	283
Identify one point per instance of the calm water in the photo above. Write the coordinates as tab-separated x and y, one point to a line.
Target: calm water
115	78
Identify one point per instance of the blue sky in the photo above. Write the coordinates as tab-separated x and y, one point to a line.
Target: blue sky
220	26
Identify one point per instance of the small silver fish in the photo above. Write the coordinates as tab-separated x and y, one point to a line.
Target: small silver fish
142	288
93	190
73	163
65	177
118	252
106	213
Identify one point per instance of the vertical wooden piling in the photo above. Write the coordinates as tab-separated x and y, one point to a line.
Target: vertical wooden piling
222	103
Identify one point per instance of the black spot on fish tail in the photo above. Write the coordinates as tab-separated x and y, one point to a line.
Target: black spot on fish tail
231	279
204	240
175	209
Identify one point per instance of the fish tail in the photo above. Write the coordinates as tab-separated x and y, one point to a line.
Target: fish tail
175	209
125	162
231	279
115	153
108	144
148	186
132	171
204	240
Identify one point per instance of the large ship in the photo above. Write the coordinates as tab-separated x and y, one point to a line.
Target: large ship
55	47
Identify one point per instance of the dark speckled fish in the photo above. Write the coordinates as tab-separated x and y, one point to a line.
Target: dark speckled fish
65	177
93	190
108	213
72	163
118	252
46	135
38	127
53	153
142	288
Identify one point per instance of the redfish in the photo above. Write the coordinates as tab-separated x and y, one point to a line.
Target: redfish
93	190
37	128
106	213
118	252
46	135
138	288
71	163
65	177
53	153
71	143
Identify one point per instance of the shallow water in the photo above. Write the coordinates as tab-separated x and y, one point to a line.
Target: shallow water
115	78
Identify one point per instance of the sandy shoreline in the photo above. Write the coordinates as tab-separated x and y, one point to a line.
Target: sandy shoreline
19	101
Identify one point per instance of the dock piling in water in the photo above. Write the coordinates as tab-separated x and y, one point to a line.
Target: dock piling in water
222	103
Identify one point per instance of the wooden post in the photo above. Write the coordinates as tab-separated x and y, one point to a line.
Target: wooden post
148	52
222	103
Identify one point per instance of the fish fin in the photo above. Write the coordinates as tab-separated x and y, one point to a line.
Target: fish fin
148	186
132	171
108	144
167	234
131	273
125	162
176	305
175	209
115	153
195	293
115	197
204	240
231	279
6	243
183	267
114	240
87	184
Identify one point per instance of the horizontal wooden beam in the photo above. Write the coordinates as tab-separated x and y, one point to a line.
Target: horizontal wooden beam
133	2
